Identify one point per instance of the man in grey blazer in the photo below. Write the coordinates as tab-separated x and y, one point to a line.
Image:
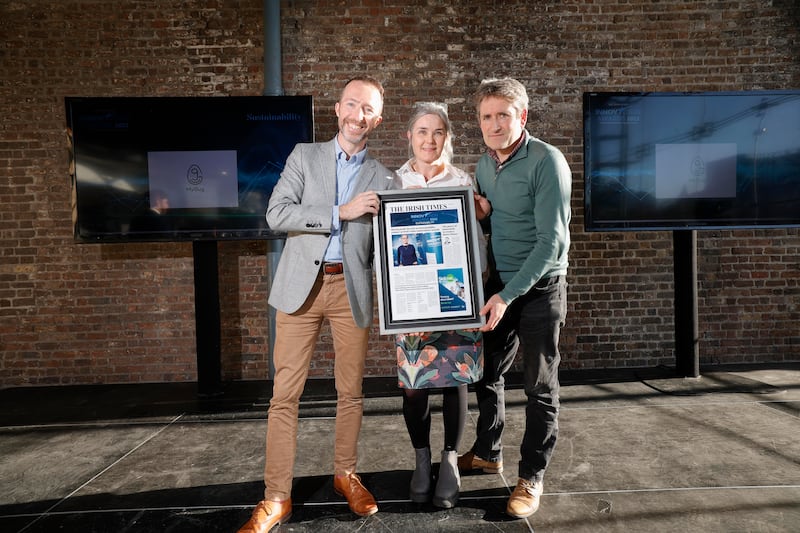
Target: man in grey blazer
325	201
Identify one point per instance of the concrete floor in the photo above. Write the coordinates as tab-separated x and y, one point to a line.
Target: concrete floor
638	452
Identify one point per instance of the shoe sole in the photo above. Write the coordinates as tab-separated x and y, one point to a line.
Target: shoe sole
368	513
525	515
445	504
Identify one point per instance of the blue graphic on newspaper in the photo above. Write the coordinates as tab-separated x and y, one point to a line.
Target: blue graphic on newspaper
451	290
424	218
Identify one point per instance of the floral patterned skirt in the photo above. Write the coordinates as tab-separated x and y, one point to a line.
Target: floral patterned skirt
439	358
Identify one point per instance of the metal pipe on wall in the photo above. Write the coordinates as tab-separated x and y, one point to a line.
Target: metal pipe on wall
273	82
273	86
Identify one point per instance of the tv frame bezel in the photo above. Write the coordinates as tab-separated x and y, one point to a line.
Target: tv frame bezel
201	234
634	225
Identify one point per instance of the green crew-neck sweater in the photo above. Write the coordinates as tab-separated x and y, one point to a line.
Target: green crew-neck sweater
530	197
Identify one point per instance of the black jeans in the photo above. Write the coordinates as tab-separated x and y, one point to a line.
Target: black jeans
537	318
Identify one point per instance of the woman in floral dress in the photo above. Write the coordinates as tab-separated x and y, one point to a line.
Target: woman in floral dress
441	360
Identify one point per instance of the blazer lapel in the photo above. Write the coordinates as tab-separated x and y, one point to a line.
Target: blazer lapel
326	171
365	176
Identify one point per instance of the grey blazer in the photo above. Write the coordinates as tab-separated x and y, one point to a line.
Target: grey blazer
302	205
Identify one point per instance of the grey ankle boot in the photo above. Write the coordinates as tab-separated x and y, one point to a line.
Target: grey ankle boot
449	483
420	490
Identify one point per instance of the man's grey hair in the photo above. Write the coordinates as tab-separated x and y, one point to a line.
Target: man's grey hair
508	89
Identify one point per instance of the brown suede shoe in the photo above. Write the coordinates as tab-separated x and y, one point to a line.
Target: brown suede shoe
267	515
524	501
469	461
358	497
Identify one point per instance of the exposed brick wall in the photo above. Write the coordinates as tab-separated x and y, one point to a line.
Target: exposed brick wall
74	313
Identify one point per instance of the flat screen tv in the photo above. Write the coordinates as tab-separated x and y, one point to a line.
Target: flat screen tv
179	168
672	161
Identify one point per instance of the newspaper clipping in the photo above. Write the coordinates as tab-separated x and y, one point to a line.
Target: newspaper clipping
428	260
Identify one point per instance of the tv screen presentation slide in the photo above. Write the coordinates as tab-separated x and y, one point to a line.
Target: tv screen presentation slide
697	170
194	179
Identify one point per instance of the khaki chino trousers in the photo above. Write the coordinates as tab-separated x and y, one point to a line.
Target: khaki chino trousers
295	339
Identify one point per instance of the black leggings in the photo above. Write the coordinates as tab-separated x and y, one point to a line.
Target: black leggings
417	413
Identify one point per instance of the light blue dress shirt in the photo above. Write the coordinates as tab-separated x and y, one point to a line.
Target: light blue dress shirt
346	173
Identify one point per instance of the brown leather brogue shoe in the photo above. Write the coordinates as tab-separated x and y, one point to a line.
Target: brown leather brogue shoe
358	497
469	462
524	501
267	515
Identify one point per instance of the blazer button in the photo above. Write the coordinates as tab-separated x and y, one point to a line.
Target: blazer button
316	262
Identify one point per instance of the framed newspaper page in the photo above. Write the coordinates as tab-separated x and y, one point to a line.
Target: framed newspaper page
427	260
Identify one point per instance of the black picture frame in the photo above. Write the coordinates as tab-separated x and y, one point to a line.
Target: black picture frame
438	286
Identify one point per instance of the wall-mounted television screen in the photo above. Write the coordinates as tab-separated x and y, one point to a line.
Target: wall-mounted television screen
179	168
671	161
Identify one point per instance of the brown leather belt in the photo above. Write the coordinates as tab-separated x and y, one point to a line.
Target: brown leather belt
332	268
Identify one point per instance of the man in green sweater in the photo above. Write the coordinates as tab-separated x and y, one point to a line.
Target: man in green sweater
527	183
